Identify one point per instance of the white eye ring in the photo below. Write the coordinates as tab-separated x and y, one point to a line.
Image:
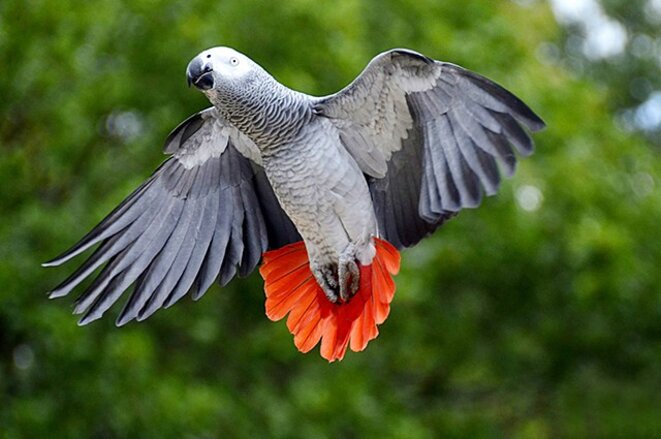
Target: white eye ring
234	61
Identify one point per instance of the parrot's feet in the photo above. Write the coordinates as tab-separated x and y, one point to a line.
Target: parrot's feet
339	282
326	276
348	275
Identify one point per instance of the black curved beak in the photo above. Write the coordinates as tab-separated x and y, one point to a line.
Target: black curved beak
199	74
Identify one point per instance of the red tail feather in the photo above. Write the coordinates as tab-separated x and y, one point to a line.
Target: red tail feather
291	288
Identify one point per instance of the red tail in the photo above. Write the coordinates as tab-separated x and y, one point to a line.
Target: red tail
291	288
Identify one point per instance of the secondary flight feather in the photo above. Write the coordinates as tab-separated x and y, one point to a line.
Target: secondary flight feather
322	190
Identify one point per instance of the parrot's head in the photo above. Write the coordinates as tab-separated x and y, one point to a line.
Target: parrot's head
219	65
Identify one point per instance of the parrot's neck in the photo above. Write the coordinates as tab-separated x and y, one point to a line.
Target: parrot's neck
269	113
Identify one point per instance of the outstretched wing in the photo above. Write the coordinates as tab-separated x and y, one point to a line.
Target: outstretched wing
430	135
207	213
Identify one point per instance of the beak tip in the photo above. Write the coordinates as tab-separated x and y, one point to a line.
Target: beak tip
199	74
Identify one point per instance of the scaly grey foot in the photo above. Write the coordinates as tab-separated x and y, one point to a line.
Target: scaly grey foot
348	273
326	276
349	278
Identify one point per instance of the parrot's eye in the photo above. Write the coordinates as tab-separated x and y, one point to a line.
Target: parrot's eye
234	61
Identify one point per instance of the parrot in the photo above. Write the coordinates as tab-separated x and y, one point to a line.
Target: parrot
323	191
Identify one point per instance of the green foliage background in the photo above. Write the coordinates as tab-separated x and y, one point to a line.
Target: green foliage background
507	322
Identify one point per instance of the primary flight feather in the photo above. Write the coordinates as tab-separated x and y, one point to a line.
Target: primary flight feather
323	190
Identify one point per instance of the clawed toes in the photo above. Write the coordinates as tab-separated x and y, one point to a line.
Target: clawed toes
349	278
329	283
339	283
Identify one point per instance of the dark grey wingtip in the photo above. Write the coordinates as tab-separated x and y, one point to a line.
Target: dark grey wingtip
123	320
88	317
527	116
57	293
519	109
81	246
63	257
537	123
84	321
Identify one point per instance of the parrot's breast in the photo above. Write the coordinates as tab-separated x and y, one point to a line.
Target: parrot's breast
322	190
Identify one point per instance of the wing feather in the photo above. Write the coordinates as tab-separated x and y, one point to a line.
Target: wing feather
202	243
464	125
206	213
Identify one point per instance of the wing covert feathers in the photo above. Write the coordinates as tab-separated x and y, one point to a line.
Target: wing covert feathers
291	289
200	217
430	133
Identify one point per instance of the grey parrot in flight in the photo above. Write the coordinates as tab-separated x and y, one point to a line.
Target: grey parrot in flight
322	190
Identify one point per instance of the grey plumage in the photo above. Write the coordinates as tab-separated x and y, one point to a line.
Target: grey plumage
160	235
409	143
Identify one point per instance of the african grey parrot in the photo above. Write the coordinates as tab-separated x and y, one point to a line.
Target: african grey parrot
332	186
